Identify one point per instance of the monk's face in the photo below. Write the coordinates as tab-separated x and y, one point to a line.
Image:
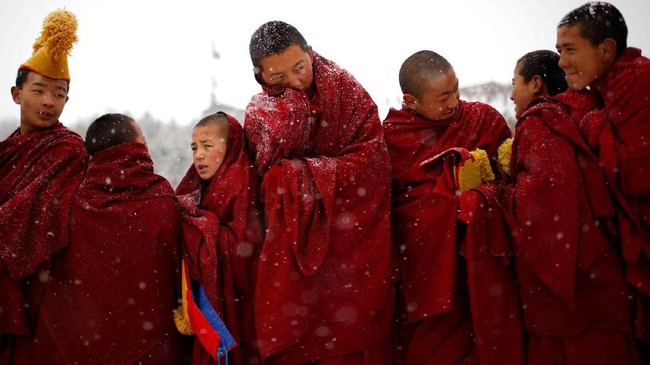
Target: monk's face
41	101
582	62
292	67
208	150
439	99
522	92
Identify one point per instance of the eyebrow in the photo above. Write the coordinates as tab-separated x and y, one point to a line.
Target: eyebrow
58	87
281	73
449	92
565	44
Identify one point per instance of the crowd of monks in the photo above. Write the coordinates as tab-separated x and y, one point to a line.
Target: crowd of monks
314	232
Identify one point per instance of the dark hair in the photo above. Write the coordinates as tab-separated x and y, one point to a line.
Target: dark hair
218	120
544	64
110	130
272	38
598	21
418	69
21	77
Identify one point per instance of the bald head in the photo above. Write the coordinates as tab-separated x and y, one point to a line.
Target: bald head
419	69
111	130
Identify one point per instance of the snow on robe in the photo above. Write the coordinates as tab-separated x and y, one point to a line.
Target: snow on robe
620	135
570	275
223	235
39	175
110	298
325	279
436	309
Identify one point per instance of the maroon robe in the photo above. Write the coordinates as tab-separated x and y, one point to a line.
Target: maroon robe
223	235
39	175
325	279
447	313
620	134
110	297
569	271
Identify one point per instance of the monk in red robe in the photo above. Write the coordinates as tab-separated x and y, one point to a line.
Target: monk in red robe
111	299
443	308
223	229
42	164
592	40
576	301
325	278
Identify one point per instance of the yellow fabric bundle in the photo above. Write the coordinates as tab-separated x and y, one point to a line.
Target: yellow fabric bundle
181	317
503	155
474	172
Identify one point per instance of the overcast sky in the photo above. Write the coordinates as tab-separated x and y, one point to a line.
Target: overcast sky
155	55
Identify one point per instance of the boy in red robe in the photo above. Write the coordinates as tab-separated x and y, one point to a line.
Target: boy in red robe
325	276
111	299
223	230
447	315
592	41
42	164
576	301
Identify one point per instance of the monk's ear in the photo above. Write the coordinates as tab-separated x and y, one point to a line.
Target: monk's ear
538	85
608	50
410	101
15	94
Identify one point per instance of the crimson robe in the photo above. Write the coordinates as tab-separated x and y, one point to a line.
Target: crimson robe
39	175
448	313
223	235
110	297
568	268
325	277
619	134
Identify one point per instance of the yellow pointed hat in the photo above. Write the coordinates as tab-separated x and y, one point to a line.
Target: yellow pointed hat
51	49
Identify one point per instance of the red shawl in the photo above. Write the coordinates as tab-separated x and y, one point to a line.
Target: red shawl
620	133
493	296
325	284
39	174
223	234
565	260
411	140
430	237
111	296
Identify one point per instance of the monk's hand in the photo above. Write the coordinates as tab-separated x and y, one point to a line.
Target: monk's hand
503	155
475	171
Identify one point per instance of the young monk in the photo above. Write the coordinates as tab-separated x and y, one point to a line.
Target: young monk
42	164
576	302
447	313
592	41
325	280
223	231
111	300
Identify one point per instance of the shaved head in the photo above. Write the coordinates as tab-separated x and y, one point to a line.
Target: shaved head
419	69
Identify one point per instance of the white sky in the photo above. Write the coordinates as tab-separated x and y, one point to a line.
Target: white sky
156	55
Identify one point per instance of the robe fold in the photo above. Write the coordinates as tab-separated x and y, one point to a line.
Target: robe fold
620	135
110	298
39	175
447	314
223	234
326	271
569	270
